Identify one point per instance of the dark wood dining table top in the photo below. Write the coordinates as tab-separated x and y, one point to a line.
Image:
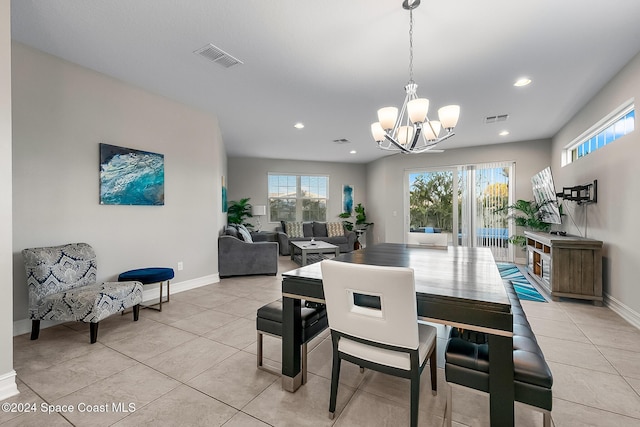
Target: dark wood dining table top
461	274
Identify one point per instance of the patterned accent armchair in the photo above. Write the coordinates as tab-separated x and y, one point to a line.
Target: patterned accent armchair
62	286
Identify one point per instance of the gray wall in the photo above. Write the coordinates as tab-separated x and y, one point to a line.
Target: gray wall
7	374
614	219
248	178
385	178
61	112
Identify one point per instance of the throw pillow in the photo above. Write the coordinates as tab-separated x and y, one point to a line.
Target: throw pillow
294	229
320	229
246	236
335	229
307	229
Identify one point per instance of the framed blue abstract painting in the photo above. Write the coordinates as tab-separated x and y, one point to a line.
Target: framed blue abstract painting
347	198
130	177
224	195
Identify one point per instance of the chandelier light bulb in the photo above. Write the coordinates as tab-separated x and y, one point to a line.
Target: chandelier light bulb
377	132
417	110
405	134
387	117
449	116
432	130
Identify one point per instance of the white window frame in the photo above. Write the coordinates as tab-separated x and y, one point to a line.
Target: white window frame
598	128
299	197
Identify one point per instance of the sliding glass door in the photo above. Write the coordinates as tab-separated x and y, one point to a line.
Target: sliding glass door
461	206
432	219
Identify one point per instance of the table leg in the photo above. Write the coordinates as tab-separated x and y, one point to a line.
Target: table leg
291	342
304	257
337	251
291	250
501	386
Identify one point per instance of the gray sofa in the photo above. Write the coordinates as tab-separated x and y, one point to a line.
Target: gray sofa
239	258
318	231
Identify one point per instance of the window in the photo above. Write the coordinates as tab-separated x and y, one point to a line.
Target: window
298	197
617	124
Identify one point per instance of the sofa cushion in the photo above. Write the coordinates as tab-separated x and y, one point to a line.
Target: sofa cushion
244	233
283	225
232	231
320	229
307	229
335	229
294	229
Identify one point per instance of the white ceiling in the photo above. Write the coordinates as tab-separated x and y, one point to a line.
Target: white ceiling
332	63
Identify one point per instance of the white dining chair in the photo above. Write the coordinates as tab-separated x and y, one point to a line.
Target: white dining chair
382	333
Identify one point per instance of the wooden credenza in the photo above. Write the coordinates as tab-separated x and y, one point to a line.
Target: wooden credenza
566	266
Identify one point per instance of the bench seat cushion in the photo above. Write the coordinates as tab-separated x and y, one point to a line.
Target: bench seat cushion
147	275
467	361
269	320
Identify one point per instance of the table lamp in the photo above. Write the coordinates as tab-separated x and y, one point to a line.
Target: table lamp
258	211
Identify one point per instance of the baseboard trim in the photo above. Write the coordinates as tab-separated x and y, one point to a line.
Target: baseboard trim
8	386
623	310
152	292
149	293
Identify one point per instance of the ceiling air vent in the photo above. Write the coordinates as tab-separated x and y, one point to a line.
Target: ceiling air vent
217	55
495	119
341	141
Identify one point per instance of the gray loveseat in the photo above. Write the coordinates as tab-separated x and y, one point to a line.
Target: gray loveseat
239	258
317	231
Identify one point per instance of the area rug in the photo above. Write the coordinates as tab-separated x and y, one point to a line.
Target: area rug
521	285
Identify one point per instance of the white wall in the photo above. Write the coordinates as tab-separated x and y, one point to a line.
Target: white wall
385	178
7	374
248	178
614	218
61	112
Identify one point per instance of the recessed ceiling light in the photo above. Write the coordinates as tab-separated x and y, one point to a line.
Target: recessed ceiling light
352	152
504	133
523	81
299	125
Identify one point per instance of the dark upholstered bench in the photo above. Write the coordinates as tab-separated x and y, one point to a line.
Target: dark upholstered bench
269	321
467	363
147	276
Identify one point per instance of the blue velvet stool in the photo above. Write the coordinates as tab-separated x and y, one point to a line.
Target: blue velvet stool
147	276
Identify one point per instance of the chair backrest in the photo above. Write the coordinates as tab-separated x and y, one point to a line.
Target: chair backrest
58	268
395	322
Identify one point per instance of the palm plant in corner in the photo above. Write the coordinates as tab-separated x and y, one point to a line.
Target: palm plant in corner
527	214
360	219
238	211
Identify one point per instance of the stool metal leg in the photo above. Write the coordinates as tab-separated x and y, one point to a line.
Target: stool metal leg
449	407
259	357
259	350
160	303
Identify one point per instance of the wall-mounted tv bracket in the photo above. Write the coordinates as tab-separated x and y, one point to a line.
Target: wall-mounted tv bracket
587	193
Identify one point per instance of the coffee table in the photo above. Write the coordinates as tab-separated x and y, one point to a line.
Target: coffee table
308	247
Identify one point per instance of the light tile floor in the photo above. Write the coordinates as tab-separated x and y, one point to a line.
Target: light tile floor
194	364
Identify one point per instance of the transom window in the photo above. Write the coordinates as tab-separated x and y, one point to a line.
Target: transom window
617	124
298	197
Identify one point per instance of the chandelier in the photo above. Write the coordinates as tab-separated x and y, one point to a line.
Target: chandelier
411	131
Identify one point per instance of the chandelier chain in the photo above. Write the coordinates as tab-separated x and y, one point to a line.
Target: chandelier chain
411	46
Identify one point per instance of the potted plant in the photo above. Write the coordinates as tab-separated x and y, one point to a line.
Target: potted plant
527	214
360	219
238	211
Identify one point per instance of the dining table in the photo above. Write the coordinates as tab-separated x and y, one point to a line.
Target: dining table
457	286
